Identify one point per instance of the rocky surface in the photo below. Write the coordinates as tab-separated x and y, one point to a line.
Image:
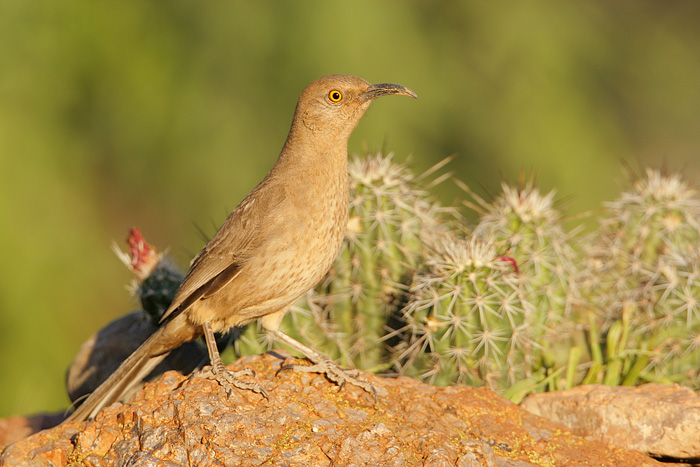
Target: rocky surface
15	428
179	421
655	419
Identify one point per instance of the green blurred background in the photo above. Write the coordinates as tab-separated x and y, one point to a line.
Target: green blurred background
163	115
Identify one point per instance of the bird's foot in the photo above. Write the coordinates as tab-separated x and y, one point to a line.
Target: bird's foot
334	373
228	379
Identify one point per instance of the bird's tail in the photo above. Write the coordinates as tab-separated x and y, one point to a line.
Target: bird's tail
132	370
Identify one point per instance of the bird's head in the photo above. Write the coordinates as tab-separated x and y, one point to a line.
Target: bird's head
334	104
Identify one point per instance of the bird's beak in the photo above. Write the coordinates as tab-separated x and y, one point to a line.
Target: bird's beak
377	90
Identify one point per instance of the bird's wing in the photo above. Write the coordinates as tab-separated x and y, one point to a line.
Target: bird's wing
221	259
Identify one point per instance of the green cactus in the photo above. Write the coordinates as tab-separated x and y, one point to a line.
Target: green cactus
673	296
526	226
642	282
466	322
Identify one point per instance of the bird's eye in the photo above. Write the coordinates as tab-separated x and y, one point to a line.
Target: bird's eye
335	95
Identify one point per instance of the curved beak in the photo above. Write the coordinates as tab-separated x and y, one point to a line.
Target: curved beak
384	89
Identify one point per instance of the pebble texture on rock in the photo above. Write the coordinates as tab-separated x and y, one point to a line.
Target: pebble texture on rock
190	421
655	419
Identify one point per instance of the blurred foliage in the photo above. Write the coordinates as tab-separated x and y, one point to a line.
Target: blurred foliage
165	114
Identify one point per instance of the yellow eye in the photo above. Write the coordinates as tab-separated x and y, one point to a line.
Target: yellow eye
335	95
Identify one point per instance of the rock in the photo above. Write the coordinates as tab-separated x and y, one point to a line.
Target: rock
656	419
102	354
16	428
181	420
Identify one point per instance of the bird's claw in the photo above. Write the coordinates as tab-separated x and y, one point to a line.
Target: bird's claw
334	373
228	379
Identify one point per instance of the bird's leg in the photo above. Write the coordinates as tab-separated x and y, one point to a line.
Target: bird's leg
225	377
322	364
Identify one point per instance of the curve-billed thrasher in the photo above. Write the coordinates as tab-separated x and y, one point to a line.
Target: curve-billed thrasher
276	245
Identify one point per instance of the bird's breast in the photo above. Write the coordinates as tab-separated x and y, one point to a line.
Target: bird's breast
320	214
307	232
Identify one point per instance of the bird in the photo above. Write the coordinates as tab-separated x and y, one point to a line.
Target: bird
273	248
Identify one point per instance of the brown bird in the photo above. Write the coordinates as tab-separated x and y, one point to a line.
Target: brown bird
276	245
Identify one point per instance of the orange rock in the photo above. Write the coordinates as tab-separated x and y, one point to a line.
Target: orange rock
181	420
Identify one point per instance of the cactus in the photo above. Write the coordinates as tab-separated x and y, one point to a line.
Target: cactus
526	226
466	322
672	293
642	281
157	278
